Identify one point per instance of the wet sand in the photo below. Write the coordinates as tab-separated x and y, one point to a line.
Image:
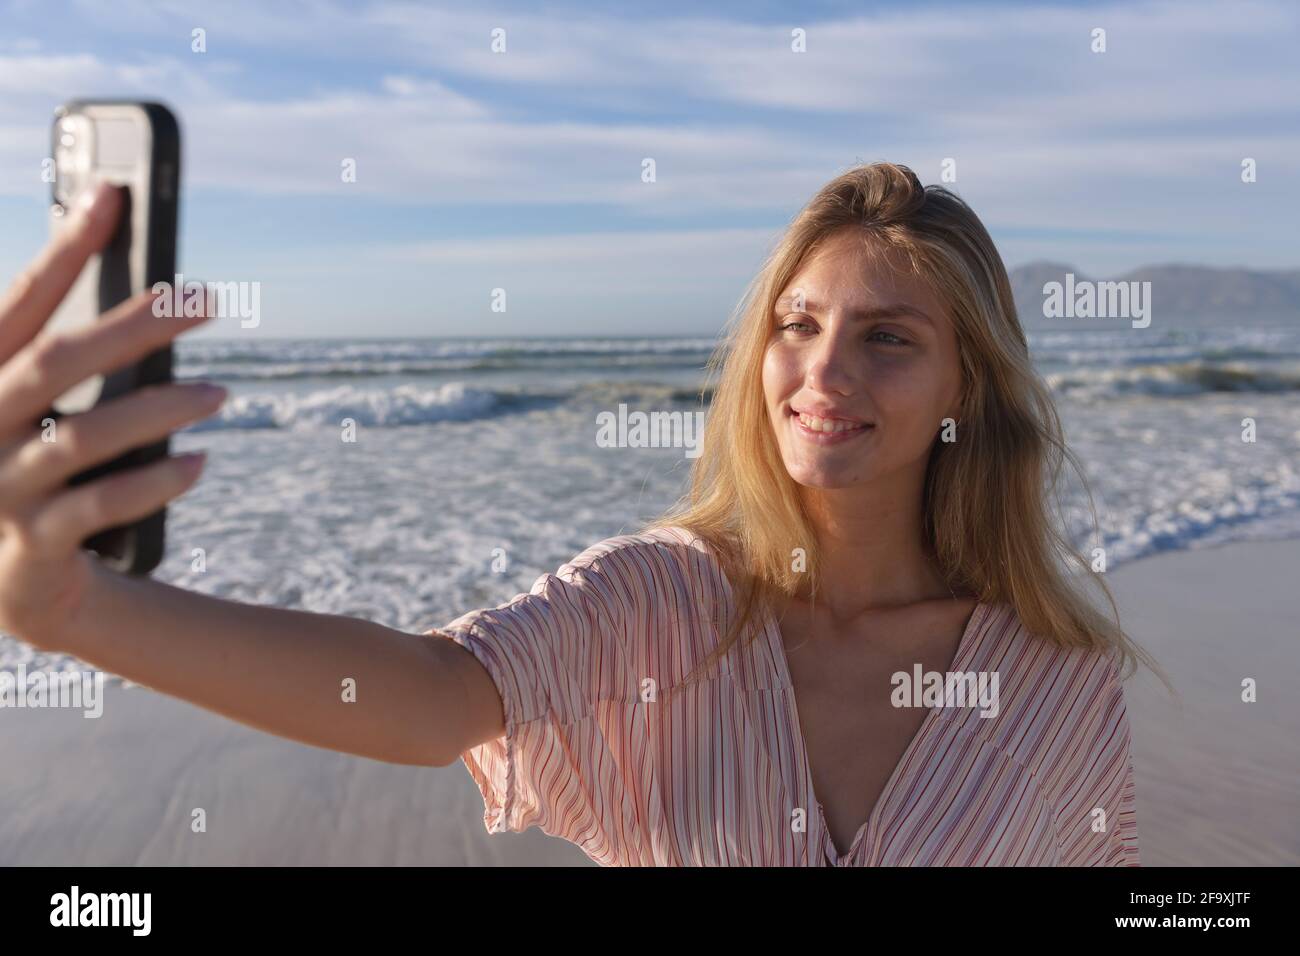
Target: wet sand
1218	780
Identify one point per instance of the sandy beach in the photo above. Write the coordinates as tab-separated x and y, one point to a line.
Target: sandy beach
1217	778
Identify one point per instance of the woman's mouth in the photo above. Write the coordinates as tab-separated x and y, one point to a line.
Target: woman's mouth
827	431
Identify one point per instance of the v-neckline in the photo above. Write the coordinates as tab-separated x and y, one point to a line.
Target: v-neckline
777	645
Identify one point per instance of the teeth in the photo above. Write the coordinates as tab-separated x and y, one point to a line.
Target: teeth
813	423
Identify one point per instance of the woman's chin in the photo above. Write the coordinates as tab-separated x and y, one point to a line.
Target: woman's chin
824	479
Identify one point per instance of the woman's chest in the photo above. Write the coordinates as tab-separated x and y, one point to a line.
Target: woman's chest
726	771
858	724
721	780
853	740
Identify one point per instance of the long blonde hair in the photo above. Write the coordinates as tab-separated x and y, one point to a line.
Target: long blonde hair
986	520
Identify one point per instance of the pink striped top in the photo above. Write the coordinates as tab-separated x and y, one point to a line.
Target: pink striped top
718	775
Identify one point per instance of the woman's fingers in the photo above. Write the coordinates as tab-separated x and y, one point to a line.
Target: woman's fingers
51	364
33	296
81	441
116	499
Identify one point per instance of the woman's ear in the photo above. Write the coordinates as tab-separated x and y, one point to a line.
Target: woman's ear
962	399
955	410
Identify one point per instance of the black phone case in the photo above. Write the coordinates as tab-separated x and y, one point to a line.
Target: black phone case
137	548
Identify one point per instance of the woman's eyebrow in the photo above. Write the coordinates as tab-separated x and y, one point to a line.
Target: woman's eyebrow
897	310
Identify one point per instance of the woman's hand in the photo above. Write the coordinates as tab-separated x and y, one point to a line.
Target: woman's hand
44	573
228	657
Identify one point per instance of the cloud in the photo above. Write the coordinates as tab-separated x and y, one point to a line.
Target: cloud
446	119
669	249
1147	137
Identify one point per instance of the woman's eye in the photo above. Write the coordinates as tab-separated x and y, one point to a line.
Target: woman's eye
797	325
895	339
790	325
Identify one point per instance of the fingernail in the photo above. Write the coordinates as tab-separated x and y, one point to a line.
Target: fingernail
192	461
208	390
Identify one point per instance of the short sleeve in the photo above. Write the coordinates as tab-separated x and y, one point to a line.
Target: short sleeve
552	653
1097	814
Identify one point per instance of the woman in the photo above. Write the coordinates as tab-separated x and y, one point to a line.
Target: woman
854	643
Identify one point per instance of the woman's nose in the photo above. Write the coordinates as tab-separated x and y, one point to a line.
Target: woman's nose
830	366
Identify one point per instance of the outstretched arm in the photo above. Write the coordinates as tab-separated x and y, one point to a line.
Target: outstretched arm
322	679
418	699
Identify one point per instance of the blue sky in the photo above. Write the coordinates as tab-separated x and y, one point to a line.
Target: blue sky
522	170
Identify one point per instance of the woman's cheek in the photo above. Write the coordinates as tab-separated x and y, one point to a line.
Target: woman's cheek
773	391
910	410
780	376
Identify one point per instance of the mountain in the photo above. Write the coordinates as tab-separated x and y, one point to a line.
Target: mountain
1176	290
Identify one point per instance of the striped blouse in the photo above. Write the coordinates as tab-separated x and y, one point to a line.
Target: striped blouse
717	774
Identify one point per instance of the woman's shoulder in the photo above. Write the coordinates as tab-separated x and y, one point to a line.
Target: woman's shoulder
660	580
1007	644
1062	721
1048	693
650	557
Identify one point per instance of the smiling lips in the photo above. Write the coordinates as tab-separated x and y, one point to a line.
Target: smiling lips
827	430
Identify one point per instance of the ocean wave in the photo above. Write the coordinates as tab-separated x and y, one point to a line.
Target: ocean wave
263	370
411	404
403	405
296	358
1199	376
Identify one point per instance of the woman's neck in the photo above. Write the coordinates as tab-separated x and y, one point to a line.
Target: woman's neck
872	552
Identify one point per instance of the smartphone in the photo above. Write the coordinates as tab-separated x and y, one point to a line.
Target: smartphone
137	146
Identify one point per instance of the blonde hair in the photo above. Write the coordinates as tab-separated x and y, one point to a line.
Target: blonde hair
986	520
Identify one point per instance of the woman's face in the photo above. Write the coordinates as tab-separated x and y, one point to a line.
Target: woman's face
859	375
